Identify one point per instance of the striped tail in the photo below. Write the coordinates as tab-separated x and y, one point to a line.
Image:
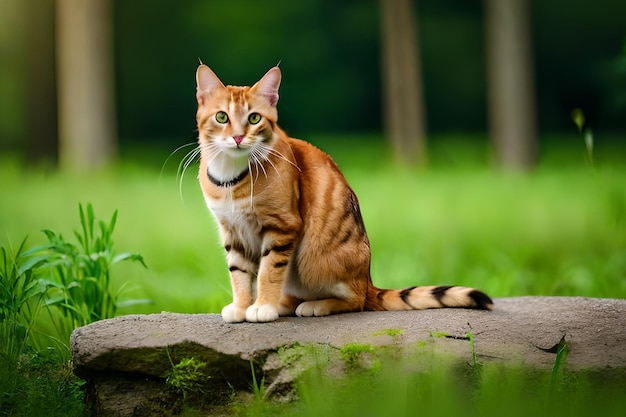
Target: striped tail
424	297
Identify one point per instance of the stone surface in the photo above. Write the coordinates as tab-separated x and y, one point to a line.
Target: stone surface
520	330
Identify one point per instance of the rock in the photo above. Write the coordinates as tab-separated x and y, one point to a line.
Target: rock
135	354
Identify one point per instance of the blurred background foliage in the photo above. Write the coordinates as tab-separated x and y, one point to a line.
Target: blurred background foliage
330	54
559	231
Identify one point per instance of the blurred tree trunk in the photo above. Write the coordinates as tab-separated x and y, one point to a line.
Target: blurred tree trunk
42	128
87	128
402	81
510	80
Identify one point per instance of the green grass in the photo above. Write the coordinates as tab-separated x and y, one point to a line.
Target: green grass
449	391
21	296
560	230
39	385
428	383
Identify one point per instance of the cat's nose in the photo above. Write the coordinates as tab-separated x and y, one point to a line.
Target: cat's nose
238	139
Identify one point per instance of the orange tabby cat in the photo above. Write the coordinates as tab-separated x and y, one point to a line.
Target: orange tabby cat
290	223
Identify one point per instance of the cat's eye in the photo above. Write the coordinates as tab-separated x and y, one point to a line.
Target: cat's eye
254	118
221	117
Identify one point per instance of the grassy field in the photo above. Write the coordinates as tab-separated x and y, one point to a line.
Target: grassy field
560	230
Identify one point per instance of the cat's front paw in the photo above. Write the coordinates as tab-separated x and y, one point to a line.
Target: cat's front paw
261	314
233	314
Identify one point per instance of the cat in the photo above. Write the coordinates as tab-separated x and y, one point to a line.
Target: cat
290	224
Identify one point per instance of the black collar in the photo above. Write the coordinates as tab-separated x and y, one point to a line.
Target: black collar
228	183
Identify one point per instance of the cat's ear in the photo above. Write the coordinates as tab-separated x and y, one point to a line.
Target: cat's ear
206	82
268	86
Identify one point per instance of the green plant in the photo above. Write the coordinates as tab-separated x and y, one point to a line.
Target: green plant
389	332
38	384
352	352
561	355
470	337
78	276
187	376
20	299
258	388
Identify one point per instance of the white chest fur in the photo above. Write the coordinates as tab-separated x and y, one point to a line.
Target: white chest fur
238	222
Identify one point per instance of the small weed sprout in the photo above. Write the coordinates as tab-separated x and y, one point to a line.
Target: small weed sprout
389	332
470	337
561	355
258	387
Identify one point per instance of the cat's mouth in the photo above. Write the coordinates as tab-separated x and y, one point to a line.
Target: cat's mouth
236	150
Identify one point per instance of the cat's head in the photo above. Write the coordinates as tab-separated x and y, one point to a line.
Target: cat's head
234	120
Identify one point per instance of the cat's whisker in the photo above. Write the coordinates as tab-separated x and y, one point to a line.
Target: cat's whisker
253	161
210	148
172	154
269	161
278	154
212	151
185	163
252	184
258	162
192	157
187	159
266	157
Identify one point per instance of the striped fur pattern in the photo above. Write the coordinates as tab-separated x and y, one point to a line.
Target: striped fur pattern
291	225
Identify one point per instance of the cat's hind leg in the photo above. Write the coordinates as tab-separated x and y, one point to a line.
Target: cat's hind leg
288	305
328	306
